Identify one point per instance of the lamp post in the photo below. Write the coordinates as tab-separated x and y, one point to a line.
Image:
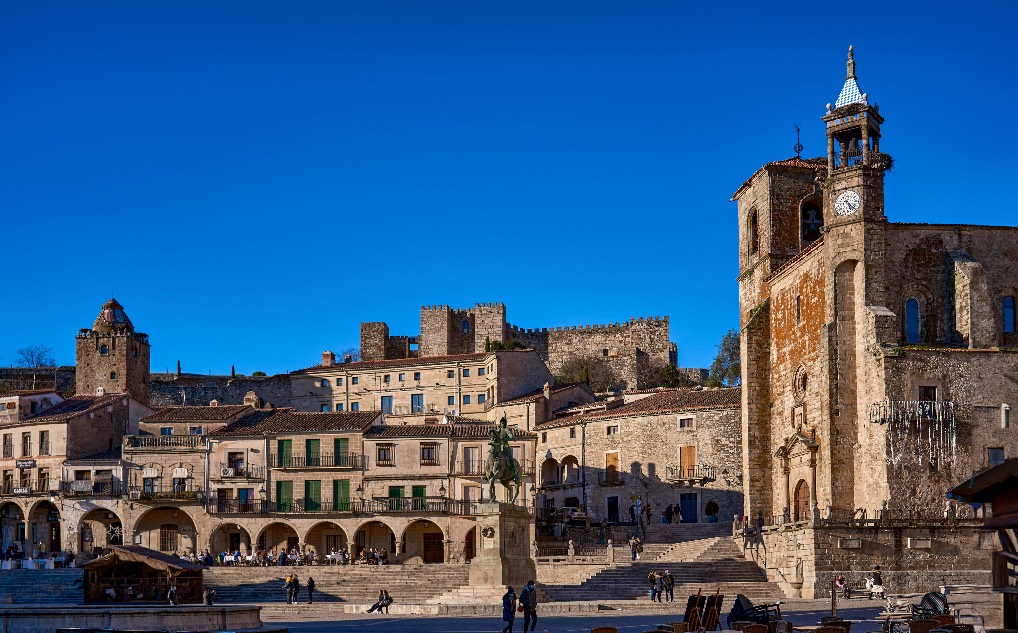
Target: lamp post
360	495
445	502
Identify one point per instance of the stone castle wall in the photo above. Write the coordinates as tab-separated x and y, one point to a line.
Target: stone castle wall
60	379
123	369
193	389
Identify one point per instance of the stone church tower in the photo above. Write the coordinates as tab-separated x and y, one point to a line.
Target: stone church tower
112	356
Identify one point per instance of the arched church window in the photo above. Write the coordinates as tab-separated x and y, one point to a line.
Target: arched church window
812	223
1008	315
466	326
754	233
912	320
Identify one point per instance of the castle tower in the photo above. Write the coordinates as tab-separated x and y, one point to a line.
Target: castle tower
112	356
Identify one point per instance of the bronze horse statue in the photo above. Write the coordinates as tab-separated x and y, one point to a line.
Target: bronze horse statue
501	465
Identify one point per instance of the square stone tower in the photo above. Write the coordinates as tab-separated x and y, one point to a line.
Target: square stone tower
112	356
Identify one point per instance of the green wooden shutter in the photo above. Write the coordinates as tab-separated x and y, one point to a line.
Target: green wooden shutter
284	496
284	451
313	452
419	494
341	448
396	498
312	496
341	494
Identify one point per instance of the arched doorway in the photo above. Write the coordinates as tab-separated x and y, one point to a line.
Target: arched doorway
278	537
570	470
44	527
802	504
12	526
549	472
469	547
326	537
99	529
423	542
375	535
230	537
168	530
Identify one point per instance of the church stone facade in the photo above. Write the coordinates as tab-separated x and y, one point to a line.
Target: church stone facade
877	357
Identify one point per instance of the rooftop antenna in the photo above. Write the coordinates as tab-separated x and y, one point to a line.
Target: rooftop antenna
798	144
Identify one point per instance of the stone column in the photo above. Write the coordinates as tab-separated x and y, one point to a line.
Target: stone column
865	144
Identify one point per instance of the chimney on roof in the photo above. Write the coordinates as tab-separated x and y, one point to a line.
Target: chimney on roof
328	359
252	400
347	358
547	391
100	391
214	403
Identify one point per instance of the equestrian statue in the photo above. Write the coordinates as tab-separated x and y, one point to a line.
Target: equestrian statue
501	465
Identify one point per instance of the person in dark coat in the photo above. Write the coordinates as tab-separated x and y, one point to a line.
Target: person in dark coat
669	582
528	599
509	602
386	601
311	590
378	603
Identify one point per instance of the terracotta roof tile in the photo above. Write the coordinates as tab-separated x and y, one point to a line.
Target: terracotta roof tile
75	406
188	413
537	394
289	421
396	362
459	431
673	400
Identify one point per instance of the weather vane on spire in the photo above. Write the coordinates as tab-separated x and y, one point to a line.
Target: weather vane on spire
850	64
798	143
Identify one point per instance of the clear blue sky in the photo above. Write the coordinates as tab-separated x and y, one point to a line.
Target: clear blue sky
253	179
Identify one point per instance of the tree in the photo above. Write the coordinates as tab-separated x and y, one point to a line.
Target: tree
354	353
671	377
726	370
502	346
258	374
36	356
594	371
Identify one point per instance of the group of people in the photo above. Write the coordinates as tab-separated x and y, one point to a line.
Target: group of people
293	587
372	556
662	586
874	584
525	603
636	547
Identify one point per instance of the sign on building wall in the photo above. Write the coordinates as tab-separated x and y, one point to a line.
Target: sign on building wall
24	463
181	473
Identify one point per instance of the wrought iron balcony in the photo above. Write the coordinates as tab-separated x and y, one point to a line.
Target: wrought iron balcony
698	474
470	468
226	471
30	487
912	411
375	505
93	488
316	460
165	442
166	493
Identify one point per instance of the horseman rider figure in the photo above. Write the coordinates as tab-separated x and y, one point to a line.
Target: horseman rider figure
502	466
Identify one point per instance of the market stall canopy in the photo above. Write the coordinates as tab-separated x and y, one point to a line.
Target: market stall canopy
998	486
173	565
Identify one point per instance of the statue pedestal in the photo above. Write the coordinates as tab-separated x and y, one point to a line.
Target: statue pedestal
504	533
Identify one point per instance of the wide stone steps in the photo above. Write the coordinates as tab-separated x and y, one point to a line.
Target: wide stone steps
340	583
53	586
709	564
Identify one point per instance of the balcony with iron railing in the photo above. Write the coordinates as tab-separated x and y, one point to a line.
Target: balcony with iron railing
227	471
93	488
910	411
470	468
375	505
316	460
30	487
160	493
698	474
166	442
8	451
26	449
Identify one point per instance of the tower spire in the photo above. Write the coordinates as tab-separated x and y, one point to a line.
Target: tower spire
850	64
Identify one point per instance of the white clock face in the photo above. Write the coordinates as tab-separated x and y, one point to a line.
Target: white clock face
848	203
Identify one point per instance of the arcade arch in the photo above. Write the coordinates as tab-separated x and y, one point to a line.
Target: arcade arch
375	535
423	541
12	526
44	527
99	528
167	529
325	537
230	537
277	537
549	472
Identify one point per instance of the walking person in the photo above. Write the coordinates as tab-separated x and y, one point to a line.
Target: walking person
659	585
528	600
639	548
296	588
669	582
509	604
632	546
652	577
311	590
288	585
171	595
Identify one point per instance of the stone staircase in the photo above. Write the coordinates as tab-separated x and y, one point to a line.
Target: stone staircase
50	586
706	564
356	584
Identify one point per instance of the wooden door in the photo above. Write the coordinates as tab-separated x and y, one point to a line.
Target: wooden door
802	509
687	460
433	548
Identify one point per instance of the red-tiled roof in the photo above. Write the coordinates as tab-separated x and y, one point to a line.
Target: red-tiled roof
75	406
459	431
673	400
537	394
186	413
289	421
26	392
397	362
